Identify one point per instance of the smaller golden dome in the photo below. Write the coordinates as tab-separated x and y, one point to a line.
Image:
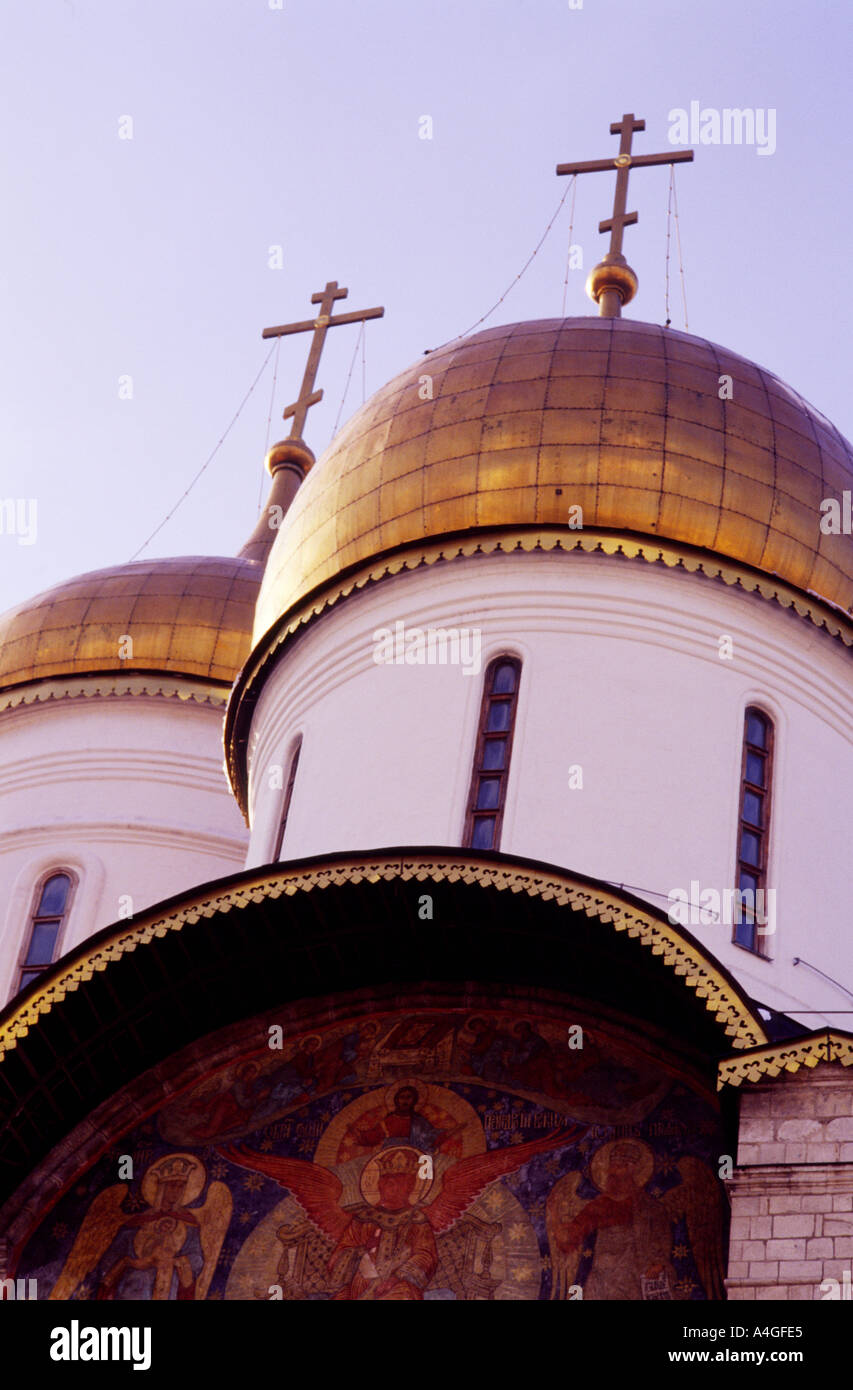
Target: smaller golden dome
190	616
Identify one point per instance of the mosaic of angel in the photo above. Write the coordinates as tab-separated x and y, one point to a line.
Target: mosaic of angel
166	1250
630	1231
390	1245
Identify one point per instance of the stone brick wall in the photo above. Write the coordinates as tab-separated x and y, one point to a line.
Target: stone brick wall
792	1189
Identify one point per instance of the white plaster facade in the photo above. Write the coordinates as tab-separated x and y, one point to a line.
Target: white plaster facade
621	675
126	791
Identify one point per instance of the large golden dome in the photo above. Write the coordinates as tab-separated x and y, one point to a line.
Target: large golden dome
623	418
190	616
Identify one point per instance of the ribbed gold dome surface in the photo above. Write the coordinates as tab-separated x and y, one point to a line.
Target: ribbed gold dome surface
191	616
525	421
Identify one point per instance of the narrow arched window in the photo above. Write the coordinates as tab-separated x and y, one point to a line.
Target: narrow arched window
754	830
487	796
286	800
50	909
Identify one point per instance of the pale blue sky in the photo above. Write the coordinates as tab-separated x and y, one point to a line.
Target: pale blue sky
254	126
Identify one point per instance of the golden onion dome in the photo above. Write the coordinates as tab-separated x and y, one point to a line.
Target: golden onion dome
190	616
635	423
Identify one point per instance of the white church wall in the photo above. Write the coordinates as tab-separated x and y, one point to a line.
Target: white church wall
129	793
622	677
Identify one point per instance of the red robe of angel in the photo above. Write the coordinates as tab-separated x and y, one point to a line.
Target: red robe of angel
385	1254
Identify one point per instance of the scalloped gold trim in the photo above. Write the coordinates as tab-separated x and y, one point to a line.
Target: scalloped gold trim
590	541
593	540
42	691
827	1046
660	937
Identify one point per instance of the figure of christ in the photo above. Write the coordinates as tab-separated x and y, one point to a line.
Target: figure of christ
403	1125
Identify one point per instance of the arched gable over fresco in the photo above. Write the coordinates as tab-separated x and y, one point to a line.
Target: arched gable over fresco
443	1150
302	1161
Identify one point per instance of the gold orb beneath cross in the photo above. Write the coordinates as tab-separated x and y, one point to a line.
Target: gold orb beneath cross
612	273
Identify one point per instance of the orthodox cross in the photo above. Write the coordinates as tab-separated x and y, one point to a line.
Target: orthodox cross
623	163
324	320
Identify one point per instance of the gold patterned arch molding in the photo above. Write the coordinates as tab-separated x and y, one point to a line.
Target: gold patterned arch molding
678	952
506	540
828	1045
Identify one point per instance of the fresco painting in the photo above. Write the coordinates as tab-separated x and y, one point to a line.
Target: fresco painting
443	1154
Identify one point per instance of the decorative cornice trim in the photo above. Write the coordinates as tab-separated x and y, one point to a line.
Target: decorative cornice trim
828	1045
464	545
679	952
109	686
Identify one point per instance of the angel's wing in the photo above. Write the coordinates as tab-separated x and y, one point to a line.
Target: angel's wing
213	1218
317	1190
466	1179
699	1201
561	1208
95	1235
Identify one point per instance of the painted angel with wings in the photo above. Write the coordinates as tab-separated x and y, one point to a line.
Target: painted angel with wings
386	1247
167	1250
632	1231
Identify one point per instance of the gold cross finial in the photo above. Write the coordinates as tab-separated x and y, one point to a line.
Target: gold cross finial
324	321
613	283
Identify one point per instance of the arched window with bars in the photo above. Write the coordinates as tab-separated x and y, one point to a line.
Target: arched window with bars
487	796
51	905
754	827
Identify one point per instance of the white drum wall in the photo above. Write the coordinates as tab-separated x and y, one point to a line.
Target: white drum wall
129	792
622	676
